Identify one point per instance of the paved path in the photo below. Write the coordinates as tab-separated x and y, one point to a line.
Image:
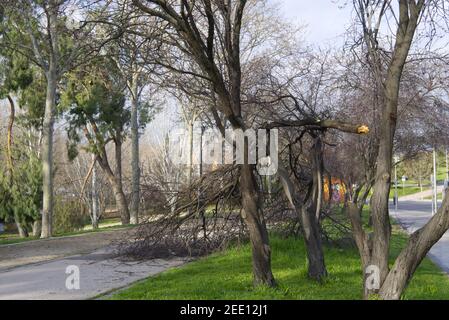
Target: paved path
412	215
37	270
421	195
19	254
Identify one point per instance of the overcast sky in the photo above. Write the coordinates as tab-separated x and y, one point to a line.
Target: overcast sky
326	20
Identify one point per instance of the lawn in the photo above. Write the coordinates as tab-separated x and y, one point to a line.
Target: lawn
227	275
9	238
405	191
105	225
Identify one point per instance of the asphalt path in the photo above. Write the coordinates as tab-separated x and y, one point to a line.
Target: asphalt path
71	268
412	215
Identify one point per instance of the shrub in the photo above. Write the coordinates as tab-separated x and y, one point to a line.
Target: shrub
69	216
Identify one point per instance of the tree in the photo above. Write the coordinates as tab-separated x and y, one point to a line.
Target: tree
96	103
48	33
419	167
388	70
18	79
133	55
298	96
222	22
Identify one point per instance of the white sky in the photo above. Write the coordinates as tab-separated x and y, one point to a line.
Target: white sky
326	20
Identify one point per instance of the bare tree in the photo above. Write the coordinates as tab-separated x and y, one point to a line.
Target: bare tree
204	31
388	69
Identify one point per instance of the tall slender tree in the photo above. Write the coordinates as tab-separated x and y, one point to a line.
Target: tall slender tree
388	71
133	55
55	36
96	103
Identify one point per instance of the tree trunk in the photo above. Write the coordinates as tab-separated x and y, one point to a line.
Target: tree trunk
310	227
119	195
95	202
120	200
117	184
415	251
12	116
23	232
135	161
310	218
310	215
47	153
379	206
409	13
190	142
317	154
316	268
362	241
255	222
37	225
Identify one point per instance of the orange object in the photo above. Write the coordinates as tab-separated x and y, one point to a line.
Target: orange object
338	190
363	130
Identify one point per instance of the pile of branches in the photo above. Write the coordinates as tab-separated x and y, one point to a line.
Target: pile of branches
198	219
205	217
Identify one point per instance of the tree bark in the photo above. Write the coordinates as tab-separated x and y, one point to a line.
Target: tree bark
310	217
51	74
317	154
119	195
190	142
255	223
362	241
47	153
37	228
379	205
419	243
409	13
23	232
120	199
12	115
135	159
117	184
95	202
316	266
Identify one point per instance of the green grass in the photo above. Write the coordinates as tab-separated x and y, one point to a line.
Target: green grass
441	167
439	197
11	238
8	238
405	191
227	275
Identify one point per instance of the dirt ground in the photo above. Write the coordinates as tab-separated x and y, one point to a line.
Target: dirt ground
19	254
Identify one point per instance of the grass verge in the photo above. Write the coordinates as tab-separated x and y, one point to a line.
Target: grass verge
227	275
106	225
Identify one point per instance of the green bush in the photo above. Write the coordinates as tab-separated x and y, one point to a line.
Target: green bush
69	216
